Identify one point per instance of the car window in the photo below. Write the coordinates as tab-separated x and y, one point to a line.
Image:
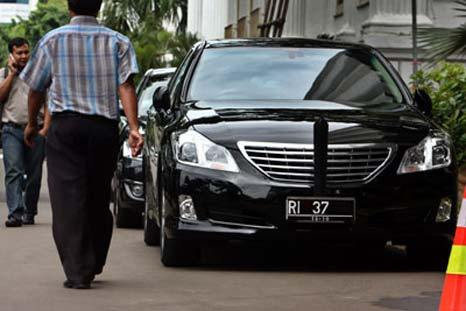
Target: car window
254	73
174	83
146	98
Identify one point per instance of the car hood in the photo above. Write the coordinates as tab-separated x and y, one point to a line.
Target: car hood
227	122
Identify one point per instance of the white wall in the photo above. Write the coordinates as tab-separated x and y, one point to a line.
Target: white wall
208	18
9	11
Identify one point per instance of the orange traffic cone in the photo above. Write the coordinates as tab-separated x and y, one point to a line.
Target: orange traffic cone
454	290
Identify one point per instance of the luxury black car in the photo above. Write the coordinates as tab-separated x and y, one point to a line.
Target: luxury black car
295	139
128	181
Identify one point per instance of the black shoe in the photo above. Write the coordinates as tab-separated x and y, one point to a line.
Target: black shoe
76	285
13	223
28	220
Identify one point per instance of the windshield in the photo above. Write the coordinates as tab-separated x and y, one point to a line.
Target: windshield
146	98
255	73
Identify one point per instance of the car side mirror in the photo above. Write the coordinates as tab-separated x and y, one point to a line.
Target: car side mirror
161	99
423	102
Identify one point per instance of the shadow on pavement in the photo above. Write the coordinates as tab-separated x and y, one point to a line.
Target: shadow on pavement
411	303
307	257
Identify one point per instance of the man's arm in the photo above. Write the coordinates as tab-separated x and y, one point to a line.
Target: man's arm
5	85
35	101
129	101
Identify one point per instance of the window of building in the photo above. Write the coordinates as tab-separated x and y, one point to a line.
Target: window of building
362	3
339	9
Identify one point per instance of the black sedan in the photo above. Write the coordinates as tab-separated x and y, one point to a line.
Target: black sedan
295	139
128	181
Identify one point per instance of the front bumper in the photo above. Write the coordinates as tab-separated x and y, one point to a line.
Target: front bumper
248	205
211	230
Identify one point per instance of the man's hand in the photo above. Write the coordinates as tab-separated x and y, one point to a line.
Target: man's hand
43	132
29	133
12	66
135	142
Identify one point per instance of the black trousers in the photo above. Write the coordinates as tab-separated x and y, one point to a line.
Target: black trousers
81	158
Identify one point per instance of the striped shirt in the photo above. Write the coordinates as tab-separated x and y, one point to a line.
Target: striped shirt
82	64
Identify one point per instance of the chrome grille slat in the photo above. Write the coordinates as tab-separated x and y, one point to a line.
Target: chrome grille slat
304	168
286	167
283	160
294	163
291	174
339	153
356	160
346	175
310	153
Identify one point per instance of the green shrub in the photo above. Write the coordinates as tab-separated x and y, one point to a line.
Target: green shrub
446	84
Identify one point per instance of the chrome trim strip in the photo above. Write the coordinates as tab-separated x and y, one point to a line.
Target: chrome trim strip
235	224
134	182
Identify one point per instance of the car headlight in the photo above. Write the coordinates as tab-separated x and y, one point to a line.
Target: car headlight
191	148
431	153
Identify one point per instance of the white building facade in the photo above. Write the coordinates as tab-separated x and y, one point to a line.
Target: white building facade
11	9
384	24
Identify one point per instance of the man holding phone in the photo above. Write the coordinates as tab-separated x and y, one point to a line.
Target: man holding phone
19	159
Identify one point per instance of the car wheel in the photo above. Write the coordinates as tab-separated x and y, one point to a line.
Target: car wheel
125	218
432	254
151	229
175	252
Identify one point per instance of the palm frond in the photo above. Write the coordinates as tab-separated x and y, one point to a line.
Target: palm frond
461	8
443	42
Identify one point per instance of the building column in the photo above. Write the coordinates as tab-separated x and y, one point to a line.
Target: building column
295	25
215	19
195	17
389	28
389	24
347	31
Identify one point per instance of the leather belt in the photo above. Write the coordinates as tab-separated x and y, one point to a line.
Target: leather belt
15	125
19	126
73	114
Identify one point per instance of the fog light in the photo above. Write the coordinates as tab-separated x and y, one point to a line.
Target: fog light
187	210
137	190
444	210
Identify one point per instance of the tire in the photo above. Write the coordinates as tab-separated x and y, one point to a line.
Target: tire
175	252
151	229
125	218
432	254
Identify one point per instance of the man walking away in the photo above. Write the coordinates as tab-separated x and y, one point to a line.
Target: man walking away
19	159
86	66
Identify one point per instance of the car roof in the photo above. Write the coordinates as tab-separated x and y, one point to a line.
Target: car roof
284	42
160	71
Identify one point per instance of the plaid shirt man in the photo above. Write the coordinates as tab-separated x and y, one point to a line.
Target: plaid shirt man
83	58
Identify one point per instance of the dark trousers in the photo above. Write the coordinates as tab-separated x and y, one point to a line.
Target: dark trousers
81	158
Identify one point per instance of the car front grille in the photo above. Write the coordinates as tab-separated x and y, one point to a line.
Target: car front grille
294	163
